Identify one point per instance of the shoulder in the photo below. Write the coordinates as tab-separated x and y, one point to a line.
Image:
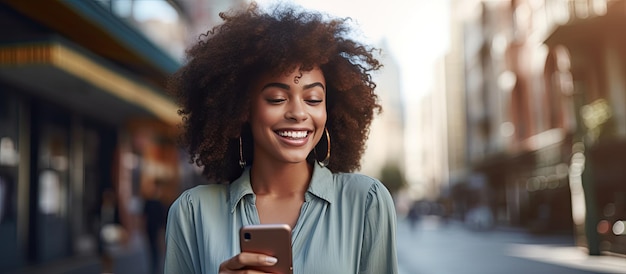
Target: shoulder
357	182
362	185
202	195
204	192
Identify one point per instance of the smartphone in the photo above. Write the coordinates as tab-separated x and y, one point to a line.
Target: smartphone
269	239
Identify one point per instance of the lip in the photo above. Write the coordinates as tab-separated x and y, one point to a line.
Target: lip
294	141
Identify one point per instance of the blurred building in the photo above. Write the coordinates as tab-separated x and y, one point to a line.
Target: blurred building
384	154
454	80
545	90
83	108
431	145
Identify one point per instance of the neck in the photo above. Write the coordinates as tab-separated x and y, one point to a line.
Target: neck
280	180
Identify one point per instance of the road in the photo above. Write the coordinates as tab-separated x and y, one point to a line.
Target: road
434	248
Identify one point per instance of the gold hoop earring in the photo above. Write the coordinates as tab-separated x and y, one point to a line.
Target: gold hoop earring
242	162
326	160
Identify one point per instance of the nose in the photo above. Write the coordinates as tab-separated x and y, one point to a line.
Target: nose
296	111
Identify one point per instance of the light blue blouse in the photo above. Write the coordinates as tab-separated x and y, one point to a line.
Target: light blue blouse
347	224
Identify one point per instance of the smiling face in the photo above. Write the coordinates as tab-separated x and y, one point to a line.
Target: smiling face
288	115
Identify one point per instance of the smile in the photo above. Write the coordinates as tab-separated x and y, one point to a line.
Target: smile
293	134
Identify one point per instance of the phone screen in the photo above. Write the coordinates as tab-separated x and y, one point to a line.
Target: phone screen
269	239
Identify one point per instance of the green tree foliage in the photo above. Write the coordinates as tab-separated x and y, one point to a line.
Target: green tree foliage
393	178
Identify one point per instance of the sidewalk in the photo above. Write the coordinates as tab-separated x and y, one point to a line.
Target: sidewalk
569	256
130	259
451	248
134	258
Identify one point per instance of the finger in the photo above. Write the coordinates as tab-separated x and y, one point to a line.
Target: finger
256	259
231	264
249	259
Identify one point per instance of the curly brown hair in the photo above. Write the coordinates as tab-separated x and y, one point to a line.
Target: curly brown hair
212	88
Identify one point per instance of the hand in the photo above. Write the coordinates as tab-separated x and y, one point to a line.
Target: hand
240	263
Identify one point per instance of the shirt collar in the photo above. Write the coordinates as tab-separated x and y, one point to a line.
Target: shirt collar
322	185
239	188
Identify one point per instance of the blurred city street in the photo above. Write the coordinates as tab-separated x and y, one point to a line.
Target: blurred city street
434	247
504	112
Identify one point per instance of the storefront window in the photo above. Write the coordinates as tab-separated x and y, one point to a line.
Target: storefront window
9	157
8	152
52	181
8	167
49	193
9	160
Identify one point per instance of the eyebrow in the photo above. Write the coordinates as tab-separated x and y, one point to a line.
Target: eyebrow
277	85
316	84
286	87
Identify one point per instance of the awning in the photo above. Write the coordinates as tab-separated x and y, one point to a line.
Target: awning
56	69
96	29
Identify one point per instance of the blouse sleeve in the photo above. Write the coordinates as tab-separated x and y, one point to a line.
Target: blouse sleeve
378	254
181	249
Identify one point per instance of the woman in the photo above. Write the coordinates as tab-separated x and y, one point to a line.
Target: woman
264	97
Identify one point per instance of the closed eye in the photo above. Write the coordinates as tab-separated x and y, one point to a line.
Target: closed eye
314	102
275	101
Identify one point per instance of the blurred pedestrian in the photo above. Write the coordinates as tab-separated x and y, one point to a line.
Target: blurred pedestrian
414	215
111	232
155	213
262	95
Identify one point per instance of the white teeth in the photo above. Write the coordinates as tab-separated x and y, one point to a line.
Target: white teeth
293	134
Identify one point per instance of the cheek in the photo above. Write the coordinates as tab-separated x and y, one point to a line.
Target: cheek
322	120
320	117
263	116
320	124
